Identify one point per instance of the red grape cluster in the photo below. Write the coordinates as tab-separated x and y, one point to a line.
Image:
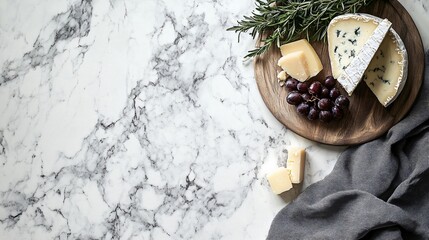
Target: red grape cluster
317	100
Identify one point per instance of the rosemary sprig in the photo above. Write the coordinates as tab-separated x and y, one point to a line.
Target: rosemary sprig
285	21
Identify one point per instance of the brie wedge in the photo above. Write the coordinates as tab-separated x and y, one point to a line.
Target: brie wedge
387	72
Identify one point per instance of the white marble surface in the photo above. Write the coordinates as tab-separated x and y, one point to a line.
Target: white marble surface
138	120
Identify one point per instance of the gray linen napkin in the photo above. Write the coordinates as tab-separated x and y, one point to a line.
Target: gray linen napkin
378	190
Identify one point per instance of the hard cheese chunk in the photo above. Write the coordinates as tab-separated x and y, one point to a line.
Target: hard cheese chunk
387	71
295	64
279	180
296	164
314	65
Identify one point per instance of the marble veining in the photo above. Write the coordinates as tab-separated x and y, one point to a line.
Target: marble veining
138	120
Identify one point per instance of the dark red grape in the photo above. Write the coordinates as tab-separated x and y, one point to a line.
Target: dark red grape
324	104
334	93
294	98
330	82
318	100
342	102
313	114
303	108
302	87
325	116
337	112
306	97
325	92
291	84
315	88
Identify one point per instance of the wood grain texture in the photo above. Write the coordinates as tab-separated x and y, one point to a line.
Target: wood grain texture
367	118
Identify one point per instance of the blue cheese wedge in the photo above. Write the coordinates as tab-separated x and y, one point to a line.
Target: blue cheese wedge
387	72
353	73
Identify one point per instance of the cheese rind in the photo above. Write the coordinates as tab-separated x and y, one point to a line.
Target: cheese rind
295	65
347	35
314	65
386	75
353	73
296	164
279	180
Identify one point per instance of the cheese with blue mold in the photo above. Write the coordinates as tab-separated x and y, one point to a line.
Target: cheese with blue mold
387	72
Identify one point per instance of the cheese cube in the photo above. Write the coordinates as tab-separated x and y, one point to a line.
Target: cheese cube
296	164
295	65
279	180
314	65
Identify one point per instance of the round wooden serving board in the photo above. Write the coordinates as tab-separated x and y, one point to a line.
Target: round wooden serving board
367	118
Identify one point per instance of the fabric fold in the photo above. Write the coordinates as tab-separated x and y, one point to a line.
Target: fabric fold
377	190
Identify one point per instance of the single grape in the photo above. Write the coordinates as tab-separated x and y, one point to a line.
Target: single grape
324	104
342	102
334	93
294	98
313	114
330	82
315	88
291	84
306	97
325	116
302	87
325	92
337	112
303	108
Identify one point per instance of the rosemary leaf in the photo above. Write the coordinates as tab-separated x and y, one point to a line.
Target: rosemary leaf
288	20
